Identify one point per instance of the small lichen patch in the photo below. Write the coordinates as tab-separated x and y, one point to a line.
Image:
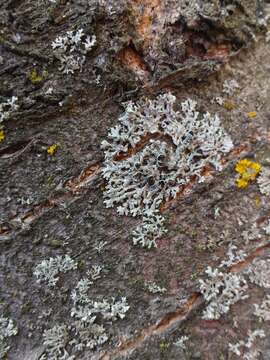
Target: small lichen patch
247	171
252	114
51	150
7	329
229	105
154	288
264	181
221	290
247	351
71	50
48	270
2	135
35	77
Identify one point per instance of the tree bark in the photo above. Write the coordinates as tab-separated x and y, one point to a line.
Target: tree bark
53	204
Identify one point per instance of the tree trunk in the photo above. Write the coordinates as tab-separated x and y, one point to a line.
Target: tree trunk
215	52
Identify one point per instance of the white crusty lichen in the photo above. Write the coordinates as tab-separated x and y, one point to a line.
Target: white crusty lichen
55	341
262	311
230	86
154	288
180	343
94	272
245	349
7	329
48	270
221	290
71	50
251	234
100	246
263	181
234	256
91	315
259	272
7	108
267	228
90	321
153	152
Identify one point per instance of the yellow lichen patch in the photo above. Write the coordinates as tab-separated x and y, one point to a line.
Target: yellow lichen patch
229	105
247	171
35	77
2	135
51	150
252	114
257	201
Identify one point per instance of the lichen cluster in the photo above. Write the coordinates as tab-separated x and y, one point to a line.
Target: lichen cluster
7	329
89	318
48	270
155	151
71	50
7	107
247	171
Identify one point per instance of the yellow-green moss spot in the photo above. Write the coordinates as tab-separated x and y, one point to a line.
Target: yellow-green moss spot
35	77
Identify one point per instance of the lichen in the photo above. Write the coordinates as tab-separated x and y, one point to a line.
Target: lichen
2	135
154	288
247	351
221	290
51	150
263	181
153	152
7	329
247	171
48	270
71	50
35	77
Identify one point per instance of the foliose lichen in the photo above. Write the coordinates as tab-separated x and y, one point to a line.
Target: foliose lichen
155	151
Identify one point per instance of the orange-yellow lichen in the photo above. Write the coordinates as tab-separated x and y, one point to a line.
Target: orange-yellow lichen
247	171
51	150
2	135
257	201
229	105
252	114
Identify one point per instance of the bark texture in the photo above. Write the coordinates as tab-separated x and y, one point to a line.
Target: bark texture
53	205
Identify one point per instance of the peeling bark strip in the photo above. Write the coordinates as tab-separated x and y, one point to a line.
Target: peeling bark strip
72	187
173	320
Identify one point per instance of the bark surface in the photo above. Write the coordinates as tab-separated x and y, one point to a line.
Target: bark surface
53	204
